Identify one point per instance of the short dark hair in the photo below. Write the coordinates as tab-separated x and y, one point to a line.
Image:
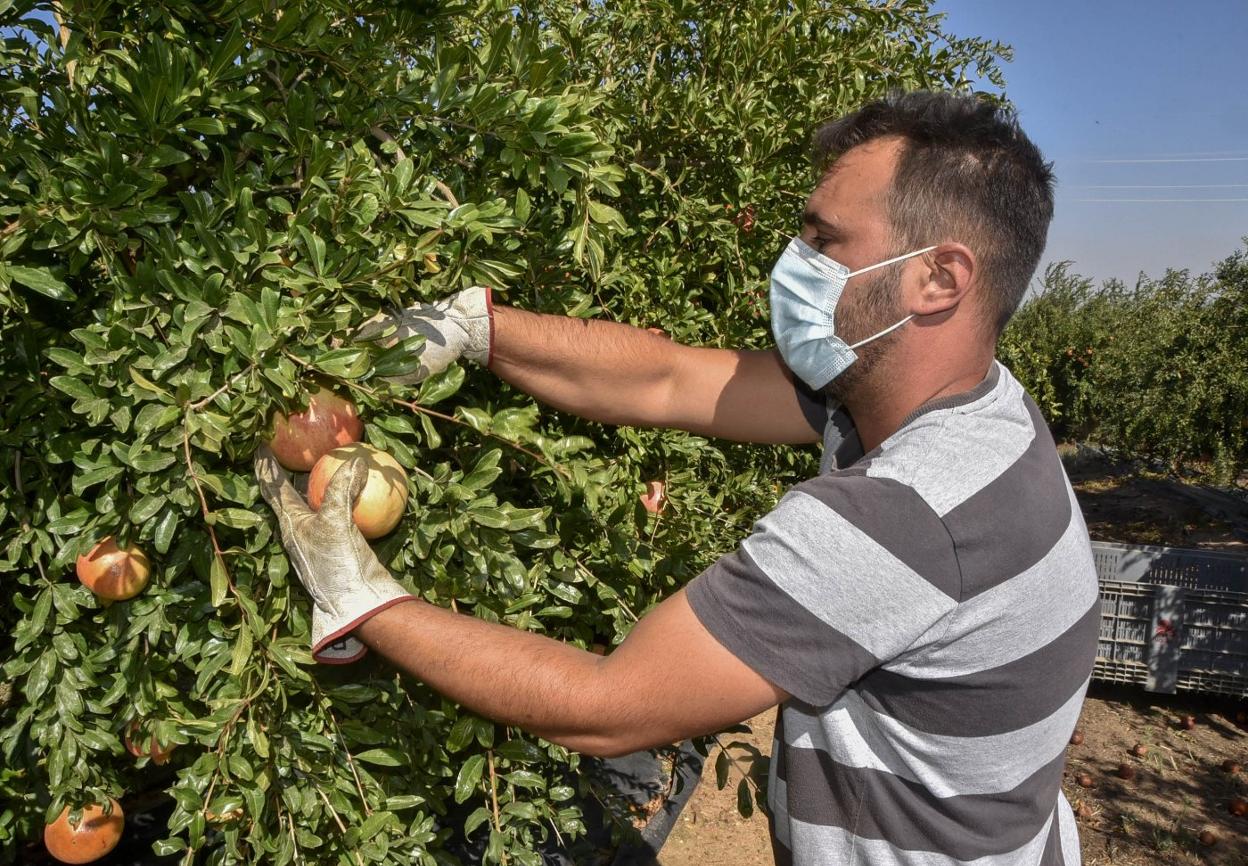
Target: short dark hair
967	173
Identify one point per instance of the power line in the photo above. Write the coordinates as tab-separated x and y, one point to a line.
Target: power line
1171	159
1157	186
1159	200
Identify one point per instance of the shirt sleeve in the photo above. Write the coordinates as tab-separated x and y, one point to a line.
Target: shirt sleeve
844	575
813	404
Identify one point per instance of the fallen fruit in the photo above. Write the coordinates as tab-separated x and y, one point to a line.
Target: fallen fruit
381	503
113	573
1231	767
655	496
1083	810
1085	781
301	439
1188	723
1208	839
1238	807
95	835
158	753
1139	750
1076	739
1126	772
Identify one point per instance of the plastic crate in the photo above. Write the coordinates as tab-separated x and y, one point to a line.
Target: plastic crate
1172	619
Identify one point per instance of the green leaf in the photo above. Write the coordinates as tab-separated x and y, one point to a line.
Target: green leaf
242	652
73	387
41	280
153	461
485	472
146	508
461	733
495	518
218	581
204	126
478	817
439	386
238	518
349	363
315	248
165	529
383	757
469	776
404	801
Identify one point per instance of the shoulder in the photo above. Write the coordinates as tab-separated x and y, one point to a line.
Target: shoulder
949	453
854	522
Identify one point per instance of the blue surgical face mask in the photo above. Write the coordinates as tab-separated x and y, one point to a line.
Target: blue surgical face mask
805	288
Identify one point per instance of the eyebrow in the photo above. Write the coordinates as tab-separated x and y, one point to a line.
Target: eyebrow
829	228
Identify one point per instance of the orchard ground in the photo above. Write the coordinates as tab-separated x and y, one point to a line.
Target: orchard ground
1179	790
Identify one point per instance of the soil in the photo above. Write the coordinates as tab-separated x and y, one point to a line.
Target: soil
1178	790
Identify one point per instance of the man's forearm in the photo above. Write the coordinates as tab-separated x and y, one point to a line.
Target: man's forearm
536	683
600	370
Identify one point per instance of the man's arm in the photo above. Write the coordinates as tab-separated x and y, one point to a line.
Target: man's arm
618	374
669	680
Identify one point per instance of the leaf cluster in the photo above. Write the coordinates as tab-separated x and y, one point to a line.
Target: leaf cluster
198	204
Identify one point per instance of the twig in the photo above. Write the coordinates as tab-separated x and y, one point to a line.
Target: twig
446	193
585	568
195	407
341	739
498	827
291	822
337	820
422	410
381	135
59	15
203	503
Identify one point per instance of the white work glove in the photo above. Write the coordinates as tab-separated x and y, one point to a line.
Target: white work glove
333	560
459	326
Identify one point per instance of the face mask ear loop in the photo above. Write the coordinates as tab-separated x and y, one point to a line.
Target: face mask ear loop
894	260
887	330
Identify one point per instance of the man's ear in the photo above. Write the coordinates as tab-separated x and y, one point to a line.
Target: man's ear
943	278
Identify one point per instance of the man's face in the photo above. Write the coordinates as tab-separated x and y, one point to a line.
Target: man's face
846	219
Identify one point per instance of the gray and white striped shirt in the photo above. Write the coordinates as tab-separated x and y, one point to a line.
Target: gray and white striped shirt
932	608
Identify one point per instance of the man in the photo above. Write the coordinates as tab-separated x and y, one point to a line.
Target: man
924	611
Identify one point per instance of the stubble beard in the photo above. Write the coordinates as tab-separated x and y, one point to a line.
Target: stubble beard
870	309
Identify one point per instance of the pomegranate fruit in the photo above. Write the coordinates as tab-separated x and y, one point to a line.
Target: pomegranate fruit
94	836
655	496
113	573
384	497
158	753
301	439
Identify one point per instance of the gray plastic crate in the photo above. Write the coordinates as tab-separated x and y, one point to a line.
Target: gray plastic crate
1172	619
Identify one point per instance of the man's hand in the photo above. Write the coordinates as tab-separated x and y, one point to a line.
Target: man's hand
340	571
460	326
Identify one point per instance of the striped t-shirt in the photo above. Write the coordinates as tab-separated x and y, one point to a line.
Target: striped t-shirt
931	607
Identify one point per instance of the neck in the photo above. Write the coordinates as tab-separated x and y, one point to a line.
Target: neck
881	402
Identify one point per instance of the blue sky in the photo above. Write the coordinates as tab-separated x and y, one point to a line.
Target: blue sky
1099	83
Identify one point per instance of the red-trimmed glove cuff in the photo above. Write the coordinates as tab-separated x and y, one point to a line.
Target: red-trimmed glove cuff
489	309
332	649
